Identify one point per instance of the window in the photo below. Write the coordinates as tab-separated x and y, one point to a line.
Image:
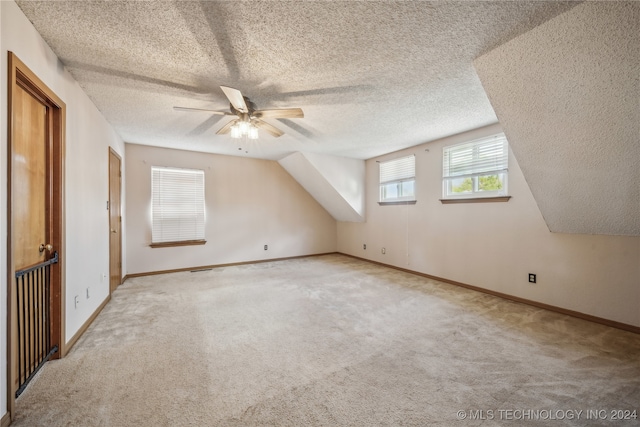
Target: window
476	169
398	180
177	206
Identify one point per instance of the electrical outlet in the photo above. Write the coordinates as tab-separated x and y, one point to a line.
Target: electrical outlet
76	301
364	246
266	247
532	278
384	251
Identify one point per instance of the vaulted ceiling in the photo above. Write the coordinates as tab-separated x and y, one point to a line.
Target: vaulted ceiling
371	77
567	94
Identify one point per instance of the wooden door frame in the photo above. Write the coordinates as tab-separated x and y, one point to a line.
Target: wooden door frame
19	75
112	151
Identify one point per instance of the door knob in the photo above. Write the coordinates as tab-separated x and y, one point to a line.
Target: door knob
113	230
48	247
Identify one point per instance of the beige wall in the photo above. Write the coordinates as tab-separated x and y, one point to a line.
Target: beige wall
249	203
496	245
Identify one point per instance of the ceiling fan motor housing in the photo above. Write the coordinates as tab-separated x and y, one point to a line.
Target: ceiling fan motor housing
250	106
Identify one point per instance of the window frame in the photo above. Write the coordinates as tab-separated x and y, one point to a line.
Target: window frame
397	175
190	229
475	169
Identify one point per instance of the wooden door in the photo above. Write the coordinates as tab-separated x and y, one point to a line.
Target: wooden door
30	224
115	221
31	191
35	221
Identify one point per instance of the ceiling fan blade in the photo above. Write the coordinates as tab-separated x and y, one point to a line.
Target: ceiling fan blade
226	128
269	128
218	112
283	113
235	98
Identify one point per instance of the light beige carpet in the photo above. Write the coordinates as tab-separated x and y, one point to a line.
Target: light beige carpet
331	341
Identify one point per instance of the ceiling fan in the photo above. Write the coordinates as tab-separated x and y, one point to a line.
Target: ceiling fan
249	118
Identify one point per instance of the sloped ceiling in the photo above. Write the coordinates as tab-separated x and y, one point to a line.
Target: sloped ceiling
568	97
371	77
337	183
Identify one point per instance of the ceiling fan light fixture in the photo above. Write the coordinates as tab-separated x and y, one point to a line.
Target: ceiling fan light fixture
253	132
236	132
244	127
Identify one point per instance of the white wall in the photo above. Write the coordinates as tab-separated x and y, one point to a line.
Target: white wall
249	203
496	245
88	137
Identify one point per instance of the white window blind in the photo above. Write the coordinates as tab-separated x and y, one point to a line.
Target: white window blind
476	167
397	179
177	207
398	169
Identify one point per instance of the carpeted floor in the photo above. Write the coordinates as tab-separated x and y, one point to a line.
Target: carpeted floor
332	341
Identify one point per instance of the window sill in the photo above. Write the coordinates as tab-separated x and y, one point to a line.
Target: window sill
476	200
400	202
183	243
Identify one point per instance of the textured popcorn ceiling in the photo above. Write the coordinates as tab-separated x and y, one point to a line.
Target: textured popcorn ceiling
371	77
568	97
